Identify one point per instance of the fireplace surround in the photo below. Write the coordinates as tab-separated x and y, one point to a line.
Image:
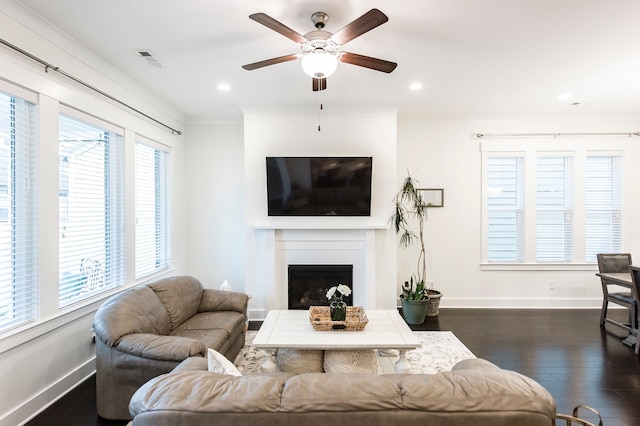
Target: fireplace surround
366	248
307	285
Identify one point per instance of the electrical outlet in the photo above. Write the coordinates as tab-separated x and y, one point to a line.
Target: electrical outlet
552	285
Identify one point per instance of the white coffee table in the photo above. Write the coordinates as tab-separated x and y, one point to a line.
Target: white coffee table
292	329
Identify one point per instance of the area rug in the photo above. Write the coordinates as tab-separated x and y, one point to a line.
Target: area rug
440	350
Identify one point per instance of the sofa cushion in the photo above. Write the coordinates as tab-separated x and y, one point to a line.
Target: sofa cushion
227	321
218	300
349	392
163	348
136	310
213	338
210	392
475	390
180	296
217	363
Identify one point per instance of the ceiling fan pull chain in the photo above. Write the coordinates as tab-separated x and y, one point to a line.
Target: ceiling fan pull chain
320	110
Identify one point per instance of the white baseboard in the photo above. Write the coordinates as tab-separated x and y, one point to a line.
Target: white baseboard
46	397
256	314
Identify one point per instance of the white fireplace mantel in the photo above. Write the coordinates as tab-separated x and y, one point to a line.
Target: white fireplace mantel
278	247
316	226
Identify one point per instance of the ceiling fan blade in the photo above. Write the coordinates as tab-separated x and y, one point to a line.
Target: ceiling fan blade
319	84
271	61
269	22
368	62
366	22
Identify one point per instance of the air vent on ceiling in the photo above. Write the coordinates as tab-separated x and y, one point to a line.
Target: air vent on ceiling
149	58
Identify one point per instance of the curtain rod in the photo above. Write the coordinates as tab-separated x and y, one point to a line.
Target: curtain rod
48	66
553	135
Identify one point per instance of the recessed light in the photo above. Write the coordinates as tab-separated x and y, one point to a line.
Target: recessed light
224	87
564	96
416	86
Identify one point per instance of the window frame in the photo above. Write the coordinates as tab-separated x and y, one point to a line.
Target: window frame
531	148
113	267
28	292
162	210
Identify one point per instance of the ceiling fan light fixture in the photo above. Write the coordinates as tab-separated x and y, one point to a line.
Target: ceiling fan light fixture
319	63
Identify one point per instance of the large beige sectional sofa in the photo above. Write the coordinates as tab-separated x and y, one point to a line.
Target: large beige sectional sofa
148	330
475	392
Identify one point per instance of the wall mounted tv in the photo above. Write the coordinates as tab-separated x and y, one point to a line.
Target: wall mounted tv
319	186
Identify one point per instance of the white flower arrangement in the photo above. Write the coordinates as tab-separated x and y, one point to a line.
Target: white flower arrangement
342	289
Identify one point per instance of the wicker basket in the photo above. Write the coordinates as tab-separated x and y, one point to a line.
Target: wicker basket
321	319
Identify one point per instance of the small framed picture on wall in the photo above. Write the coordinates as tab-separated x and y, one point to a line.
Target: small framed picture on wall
432	197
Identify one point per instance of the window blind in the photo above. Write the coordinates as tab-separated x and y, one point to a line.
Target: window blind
153	224
91	203
554	209
603	233
18	212
505	204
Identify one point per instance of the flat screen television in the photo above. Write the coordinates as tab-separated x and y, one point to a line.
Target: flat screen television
319	186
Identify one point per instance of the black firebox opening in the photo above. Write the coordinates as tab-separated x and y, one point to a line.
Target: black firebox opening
308	284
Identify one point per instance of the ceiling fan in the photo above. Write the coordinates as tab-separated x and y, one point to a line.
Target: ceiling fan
321	50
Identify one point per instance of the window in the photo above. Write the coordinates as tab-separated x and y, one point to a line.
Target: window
552	202
18	212
153	246
554	209
505	204
603	206
91	203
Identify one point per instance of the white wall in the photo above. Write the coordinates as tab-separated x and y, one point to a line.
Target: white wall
445	154
215	213
41	362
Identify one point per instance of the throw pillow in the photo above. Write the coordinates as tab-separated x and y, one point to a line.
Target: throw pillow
218	363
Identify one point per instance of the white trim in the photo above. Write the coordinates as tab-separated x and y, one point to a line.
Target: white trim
538	267
152	144
91	119
17	91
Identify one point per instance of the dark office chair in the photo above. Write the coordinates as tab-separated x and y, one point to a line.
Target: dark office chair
617	263
635	277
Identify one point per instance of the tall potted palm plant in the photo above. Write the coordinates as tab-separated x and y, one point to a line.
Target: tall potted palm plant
410	208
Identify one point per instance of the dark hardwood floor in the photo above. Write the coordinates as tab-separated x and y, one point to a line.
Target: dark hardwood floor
564	350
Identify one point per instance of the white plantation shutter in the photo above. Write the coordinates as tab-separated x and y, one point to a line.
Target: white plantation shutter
562	186
153	245
554	209
91	195
18	212
603	233
505	203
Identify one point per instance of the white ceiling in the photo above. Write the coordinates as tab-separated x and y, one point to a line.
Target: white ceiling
474	57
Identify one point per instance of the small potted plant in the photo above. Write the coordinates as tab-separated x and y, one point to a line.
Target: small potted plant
414	300
409	205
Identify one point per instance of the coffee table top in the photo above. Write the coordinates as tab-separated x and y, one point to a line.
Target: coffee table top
292	329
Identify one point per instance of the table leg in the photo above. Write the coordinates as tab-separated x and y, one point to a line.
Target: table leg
630	340
268	363
402	365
